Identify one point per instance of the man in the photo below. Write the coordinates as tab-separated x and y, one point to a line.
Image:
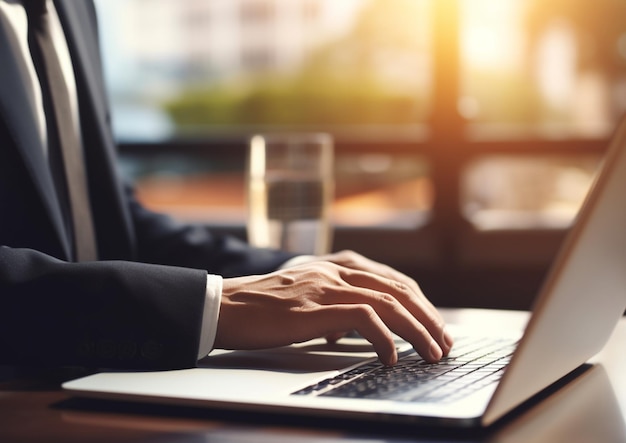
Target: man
119	286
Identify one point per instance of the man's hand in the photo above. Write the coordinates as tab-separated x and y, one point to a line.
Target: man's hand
419	306
339	292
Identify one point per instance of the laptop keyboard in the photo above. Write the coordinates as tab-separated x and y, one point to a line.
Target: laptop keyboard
474	363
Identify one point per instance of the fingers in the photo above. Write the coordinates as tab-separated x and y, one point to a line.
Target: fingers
421	307
396	303
428	316
365	321
410	294
333	337
391	316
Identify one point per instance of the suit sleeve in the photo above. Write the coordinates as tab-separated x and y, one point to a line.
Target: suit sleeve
111	314
163	240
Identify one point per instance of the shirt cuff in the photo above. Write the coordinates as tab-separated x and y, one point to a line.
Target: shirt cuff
210	314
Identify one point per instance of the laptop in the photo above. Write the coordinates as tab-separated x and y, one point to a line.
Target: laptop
575	313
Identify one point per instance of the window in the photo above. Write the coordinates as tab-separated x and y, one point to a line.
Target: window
262	65
467	132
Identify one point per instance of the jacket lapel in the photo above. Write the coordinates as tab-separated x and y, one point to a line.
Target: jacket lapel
18	111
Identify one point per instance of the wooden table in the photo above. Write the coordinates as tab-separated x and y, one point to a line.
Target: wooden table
589	408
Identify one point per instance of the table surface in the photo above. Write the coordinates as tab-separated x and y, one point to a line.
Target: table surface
589	407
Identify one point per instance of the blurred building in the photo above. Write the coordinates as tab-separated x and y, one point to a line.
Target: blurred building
205	41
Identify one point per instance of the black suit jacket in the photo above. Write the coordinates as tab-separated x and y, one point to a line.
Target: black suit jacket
140	304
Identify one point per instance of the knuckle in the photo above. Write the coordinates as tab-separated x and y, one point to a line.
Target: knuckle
400	286
347	256
386	299
365	312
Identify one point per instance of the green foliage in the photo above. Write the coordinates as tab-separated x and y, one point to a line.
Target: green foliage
301	100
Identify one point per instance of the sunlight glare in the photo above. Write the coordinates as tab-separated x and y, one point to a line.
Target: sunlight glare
556	64
488	33
481	46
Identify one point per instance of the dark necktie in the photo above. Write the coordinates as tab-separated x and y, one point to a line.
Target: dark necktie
64	146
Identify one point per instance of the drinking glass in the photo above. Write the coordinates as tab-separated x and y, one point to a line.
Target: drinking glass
290	191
